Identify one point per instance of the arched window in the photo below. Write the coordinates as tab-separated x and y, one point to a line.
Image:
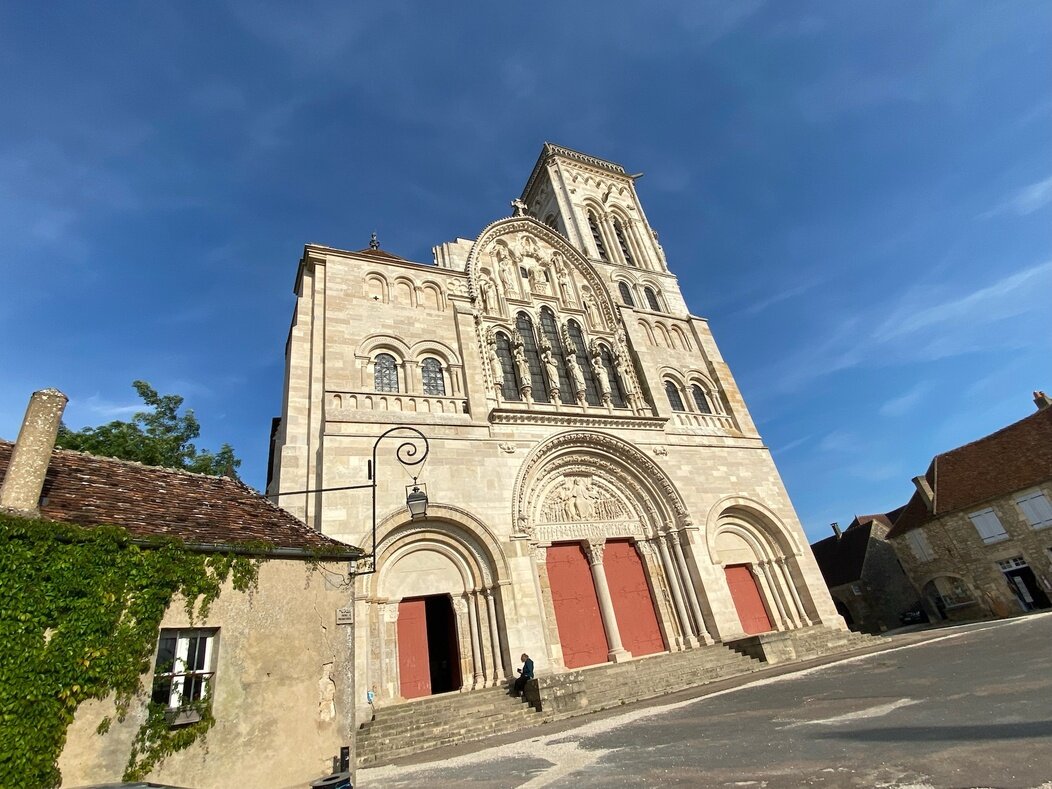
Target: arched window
385	374
597	237
551	333
674	398
700	400
591	386
550	222
617	389
431	372
509	385
626	294
538	387
652	301
620	233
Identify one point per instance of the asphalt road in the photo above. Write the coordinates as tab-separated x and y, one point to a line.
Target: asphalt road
965	707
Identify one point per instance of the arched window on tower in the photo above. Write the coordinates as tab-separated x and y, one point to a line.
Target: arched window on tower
623	242
509	385
538	386
385	373
597	237
551	333
674	398
431	372
700	400
617	389
591	386
652	300
550	222
626	294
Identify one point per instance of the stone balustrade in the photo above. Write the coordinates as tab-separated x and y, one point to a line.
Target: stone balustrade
337	402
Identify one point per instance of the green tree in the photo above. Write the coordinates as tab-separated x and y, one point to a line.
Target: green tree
158	437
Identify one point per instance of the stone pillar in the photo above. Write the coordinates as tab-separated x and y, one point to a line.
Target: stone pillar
31	455
778	581
479	679
776	594
783	567
539	555
594	550
692	594
494	635
467	665
690	641
768	597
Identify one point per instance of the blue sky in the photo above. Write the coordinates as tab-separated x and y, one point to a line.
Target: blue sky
858	196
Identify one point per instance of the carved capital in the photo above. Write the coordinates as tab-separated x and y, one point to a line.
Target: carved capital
594	550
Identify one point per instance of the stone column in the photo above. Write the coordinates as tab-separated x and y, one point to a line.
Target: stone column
594	550
690	641
460	610
768	597
776	593
778	581
494	635
692	594
787	574
479	680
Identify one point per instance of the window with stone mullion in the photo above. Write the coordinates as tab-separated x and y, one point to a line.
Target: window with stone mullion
551	332
617	392
539	388
597	236
509	385
591	386
623	243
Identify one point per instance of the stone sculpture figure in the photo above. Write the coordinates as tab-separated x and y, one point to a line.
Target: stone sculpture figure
496	368
552	369
576	375
487	294
602	378
522	367
505	267
566	288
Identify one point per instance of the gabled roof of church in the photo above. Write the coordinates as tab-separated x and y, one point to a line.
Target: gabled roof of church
151	502
1013	458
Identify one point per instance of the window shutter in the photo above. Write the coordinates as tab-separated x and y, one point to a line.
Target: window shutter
988	525
1037	509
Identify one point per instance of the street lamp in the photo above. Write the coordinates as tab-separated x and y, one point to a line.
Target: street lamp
411	452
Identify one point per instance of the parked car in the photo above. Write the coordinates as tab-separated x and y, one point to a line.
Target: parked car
914	616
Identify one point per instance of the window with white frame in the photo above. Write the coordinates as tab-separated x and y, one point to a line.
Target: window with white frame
1036	509
184	670
1012	564
988	525
920	545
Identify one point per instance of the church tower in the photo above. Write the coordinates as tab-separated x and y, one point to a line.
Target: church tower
598	489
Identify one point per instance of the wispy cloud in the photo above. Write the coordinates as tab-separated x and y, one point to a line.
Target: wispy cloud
785	448
839	441
904	403
1025	201
782	295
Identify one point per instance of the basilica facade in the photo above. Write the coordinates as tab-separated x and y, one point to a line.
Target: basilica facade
597	489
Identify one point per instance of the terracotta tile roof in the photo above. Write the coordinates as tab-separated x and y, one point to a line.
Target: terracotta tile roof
1014	458
841	558
158	502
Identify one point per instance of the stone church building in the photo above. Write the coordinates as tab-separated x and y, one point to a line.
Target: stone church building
598	490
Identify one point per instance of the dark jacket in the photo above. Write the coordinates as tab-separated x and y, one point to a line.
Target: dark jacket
527	669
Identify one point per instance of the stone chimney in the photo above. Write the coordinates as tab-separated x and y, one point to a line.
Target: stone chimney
1042	400
926	493
836	530
24	479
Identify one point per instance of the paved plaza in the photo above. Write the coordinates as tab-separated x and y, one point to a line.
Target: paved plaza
969	706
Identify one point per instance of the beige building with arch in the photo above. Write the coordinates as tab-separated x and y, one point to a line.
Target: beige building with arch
598	489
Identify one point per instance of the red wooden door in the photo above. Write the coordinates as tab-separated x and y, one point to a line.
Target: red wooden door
633	605
414	667
747	600
576	607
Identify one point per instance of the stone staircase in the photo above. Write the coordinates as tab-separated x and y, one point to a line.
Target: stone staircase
436	721
802	644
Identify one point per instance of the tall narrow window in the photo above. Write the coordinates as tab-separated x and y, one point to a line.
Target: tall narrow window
674	398
385	375
626	294
431	372
623	243
551	332
700	400
591	386
184	669
652	301
509	385
538	386
597	237
617	389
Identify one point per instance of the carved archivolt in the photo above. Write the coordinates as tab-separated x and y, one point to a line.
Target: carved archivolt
753	522
568	475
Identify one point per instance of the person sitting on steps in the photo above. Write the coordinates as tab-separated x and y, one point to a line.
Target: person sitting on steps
525	675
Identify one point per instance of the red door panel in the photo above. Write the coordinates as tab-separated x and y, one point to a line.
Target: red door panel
633	605
747	599
414	667
576	607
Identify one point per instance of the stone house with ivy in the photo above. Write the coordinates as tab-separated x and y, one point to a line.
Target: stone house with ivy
976	536
271	667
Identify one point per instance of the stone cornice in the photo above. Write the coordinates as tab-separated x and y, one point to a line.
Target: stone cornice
363	258
502	416
592	162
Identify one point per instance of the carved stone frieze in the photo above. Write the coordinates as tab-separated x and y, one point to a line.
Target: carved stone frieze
570	532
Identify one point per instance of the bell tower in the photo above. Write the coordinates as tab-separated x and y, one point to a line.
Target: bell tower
594	204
